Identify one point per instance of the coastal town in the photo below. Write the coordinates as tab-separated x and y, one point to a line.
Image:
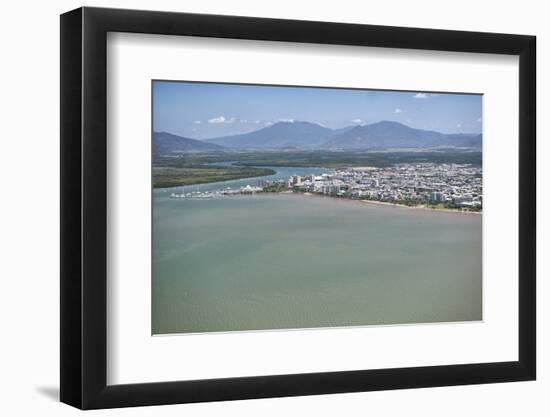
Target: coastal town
443	185
450	186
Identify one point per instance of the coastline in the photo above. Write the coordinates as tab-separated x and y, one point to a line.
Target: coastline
165	186
350	200
387	204
420	207
307	193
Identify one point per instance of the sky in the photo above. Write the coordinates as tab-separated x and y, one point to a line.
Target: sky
205	110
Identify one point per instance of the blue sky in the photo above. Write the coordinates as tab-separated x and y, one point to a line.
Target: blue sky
205	110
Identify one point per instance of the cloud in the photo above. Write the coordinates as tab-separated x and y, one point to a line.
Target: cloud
286	120
398	110
356	121
426	95
421	95
197	122
459	125
221	119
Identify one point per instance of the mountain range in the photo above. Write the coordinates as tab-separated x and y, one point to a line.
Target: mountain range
279	135
397	135
165	143
305	135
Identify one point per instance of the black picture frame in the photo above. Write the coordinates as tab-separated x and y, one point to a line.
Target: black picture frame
84	207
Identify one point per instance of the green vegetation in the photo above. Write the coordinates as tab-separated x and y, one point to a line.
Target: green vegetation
167	176
275	188
205	167
414	203
452	206
330	158
341	159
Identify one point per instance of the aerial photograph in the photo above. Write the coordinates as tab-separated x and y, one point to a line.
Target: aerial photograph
303	207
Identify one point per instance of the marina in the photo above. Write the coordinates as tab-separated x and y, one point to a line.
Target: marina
228	191
441	186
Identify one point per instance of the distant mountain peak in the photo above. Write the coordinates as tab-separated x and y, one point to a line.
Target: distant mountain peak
165	143
391	134
282	134
387	123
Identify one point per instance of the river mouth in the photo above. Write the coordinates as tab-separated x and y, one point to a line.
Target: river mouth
281	173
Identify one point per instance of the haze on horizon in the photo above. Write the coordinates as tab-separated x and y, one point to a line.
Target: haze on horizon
207	110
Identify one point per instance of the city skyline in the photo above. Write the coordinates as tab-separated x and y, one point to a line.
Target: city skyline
208	110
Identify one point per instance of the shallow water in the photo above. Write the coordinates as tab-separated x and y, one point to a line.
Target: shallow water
293	261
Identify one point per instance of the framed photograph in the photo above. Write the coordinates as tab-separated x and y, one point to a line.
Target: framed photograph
257	208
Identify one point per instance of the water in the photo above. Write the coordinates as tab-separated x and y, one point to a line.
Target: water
293	261
281	173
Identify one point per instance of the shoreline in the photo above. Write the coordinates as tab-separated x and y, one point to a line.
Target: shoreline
420	207
167	187
309	194
386	204
350	200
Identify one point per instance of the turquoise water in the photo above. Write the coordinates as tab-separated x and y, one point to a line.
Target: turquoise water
293	261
